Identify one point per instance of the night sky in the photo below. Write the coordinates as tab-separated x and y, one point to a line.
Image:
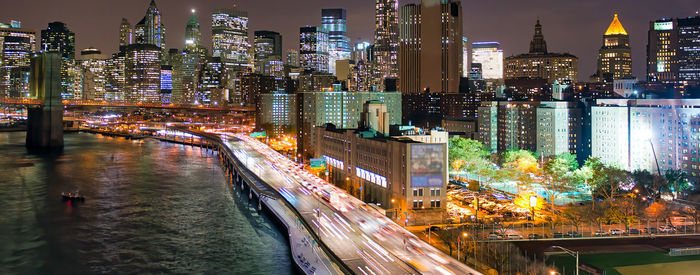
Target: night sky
568	25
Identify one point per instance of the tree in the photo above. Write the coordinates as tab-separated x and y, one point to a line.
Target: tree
658	210
575	214
677	182
605	180
466	154
648	184
521	160
447	236
597	215
623	212
556	178
570	159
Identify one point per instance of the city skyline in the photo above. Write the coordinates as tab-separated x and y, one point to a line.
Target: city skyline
513	32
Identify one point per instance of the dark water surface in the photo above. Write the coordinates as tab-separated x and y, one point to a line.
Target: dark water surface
151	207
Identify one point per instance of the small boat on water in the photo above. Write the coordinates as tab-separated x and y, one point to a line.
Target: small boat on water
72	196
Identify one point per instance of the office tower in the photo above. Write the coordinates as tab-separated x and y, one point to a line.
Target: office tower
673	55
313	48
615	56
193	36
386	42
538	63
268	53
115	77
210	79
142	73
150	30
230	38
441	45
333	21
126	34
166	83
276	113
293	58
58	38
93	66
490	56
410	49
17	46
559	126
465	57
647	134
175	59
361	52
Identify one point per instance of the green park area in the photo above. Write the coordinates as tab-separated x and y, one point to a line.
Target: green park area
637	263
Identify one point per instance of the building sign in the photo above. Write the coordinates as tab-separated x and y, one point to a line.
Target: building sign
663	26
257	134
318	163
427	165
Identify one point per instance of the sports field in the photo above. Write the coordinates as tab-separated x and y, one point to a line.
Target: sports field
650	262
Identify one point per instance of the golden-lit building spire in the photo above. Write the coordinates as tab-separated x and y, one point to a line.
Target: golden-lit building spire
615	27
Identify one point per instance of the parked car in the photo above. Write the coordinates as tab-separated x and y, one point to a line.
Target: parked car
601	233
432	229
514	236
666	228
618	232
651	230
634	231
534	236
557	235
574	234
495	236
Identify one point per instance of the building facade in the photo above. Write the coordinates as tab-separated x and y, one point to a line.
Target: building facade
230	38
142	73
672	51
150	30
559	126
18	45
410	49
490	56
441	45
538	63
615	56
333	21
313	49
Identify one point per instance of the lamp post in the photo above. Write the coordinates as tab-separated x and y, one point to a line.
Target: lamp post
459	241
570	252
533	203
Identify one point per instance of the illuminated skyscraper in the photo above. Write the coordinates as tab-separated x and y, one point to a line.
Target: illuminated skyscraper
17	46
386	42
142	73
672	50
268	53
541	64
293	58
313	48
490	56
230	37
193	36
185	65
465	57
441	45
150	30
409	49
615	56
93	66
126	34
333	21
58	38
361	52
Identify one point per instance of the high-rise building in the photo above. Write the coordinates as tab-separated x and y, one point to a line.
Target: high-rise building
333	21
186	65
58	38
150	30
17	46
386	42
115	82
268	53
230	38
615	56
490	56
647	134
293	58
441	45
93	66
538	63
142	73
673	55
410	49
211	77
313	48
193	35
126	34
465	57
362	51
276	111
559	126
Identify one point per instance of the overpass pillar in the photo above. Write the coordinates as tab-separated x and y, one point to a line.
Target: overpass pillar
45	123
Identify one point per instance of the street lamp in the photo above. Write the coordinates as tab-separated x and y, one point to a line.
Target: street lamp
459	241
570	252
533	203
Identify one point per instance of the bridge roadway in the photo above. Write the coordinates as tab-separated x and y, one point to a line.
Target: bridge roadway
365	240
